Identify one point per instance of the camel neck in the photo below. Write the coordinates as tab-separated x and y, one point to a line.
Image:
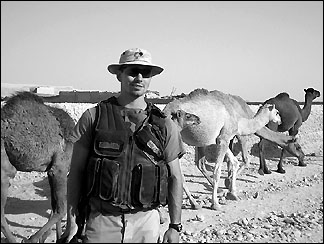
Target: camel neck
305	112
250	126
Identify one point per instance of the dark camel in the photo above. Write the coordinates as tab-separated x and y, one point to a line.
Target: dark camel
292	117
35	137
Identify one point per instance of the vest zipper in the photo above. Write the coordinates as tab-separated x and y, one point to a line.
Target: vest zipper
98	166
125	189
129	173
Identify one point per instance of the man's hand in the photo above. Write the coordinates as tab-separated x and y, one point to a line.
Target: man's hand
171	236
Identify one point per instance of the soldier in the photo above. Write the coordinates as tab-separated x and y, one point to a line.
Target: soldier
125	163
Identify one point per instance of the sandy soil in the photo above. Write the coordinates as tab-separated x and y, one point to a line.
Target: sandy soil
272	208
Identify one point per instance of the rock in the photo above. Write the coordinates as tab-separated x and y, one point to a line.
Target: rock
244	222
297	233
267	226
239	237
255	195
288	221
200	218
205	231
220	232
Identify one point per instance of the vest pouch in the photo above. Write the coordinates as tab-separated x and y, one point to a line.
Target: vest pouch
148	142
163	184
109	144
91	171
108	180
144	188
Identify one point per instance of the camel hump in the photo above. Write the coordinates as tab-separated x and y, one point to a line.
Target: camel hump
198	92
282	95
17	103
24	96
279	97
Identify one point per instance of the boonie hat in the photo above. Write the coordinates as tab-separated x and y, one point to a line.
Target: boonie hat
135	56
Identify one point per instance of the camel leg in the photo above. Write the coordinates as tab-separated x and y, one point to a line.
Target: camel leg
200	160
242	141
58	229
246	162
7	172
229	166
57	177
222	144
263	165
232	160
48	232
4	194
301	156
263	169
279	166
194	204
287	142
227	181
217	173
229	169
296	149
282	156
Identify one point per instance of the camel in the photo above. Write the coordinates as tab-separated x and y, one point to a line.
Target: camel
292	118
183	119
35	137
222	117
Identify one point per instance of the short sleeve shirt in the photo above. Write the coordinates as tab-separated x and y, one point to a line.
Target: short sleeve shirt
83	132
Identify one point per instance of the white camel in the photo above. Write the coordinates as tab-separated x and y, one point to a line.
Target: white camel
183	119
222	117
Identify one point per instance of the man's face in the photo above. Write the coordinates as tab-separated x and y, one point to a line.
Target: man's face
135	79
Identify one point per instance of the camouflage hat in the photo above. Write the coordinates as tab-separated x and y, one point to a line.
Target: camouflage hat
135	56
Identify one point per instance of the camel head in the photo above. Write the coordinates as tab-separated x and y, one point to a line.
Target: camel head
271	111
311	93
184	119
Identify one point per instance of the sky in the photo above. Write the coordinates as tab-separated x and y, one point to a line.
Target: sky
253	49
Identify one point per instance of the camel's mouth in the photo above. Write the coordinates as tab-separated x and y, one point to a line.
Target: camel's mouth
184	119
198	121
192	119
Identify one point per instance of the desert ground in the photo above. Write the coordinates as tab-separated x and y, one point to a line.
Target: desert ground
271	208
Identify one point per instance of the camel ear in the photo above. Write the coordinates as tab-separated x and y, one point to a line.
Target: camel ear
305	90
176	115
180	113
173	115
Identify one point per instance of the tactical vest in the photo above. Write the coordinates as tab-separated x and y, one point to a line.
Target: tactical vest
127	169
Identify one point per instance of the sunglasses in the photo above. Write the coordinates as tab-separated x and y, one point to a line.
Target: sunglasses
145	72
